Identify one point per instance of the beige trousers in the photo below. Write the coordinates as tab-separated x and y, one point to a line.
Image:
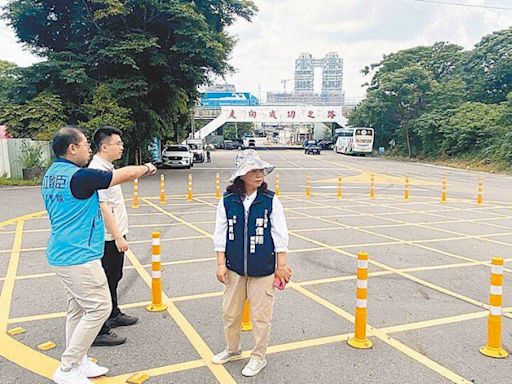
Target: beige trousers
260	293
89	305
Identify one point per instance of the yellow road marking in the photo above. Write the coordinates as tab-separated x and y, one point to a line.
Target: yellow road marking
222	375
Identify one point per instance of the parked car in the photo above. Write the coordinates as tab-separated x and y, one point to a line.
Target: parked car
326	144
252	143
177	156
230	144
197	146
312	147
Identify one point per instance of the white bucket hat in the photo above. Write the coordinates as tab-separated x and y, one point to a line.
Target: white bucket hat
246	161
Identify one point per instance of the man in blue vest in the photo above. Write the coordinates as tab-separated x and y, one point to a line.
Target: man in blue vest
75	247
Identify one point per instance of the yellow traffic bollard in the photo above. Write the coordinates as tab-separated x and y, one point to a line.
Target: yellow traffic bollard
156	274
360	340
493	347
162	189
217	186
135	202
406	191
443	191
246	317
372	186
276	185
308	186
340	192
480	192
189	193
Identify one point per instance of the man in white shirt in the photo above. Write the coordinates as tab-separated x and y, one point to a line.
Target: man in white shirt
109	148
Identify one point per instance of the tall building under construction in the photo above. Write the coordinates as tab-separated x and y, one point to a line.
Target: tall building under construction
304	88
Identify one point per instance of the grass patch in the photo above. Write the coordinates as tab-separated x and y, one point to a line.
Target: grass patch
14	182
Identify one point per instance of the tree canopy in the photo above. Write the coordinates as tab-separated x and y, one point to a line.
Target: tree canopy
443	101
150	56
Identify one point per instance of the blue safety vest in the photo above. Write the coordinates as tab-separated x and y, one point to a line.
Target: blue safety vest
249	244
78	231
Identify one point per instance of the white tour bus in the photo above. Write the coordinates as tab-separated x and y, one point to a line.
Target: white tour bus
354	141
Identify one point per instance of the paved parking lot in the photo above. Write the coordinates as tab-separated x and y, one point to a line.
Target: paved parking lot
428	278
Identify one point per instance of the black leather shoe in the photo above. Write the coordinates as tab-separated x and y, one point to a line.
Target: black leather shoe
109	339
121	320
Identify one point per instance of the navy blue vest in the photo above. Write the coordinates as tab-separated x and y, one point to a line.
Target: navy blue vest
249	244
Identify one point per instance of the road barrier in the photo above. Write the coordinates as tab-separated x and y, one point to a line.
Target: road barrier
493	347
156	274
360	340
246	317
135	202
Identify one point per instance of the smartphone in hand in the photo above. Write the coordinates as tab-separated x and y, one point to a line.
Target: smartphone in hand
279	284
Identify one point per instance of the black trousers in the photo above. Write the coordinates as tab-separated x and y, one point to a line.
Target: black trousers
112	262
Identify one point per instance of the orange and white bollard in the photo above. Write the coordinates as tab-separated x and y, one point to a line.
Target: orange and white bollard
340	192
162	189
372	186
246	317
443	191
276	185
135	202
308	186
189	192
217	186
480	191
156	274
493	347
406	190
360	340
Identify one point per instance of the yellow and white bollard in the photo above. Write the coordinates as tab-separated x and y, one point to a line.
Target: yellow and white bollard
189	192
372	186
308	186
443	191
340	192
246	317
276	185
360	340
156	274
217	186
135	202
480	191
406	191
162	189
493	347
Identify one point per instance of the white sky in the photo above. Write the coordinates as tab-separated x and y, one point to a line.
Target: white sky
361	31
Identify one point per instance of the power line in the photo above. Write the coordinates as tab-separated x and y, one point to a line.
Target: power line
465	5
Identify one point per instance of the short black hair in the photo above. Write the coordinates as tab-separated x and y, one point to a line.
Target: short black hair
102	133
63	138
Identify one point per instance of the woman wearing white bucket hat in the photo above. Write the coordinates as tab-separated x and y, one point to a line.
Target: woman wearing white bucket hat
251	242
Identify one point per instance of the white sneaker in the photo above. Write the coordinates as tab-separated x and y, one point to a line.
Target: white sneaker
73	376
225	356
90	369
254	366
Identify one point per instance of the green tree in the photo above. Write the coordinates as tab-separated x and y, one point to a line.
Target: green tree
152	54
487	69
38	119
6	81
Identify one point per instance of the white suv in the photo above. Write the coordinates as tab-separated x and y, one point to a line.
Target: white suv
177	156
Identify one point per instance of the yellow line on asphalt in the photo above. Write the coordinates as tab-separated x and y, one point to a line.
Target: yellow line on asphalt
13	350
222	375
22	218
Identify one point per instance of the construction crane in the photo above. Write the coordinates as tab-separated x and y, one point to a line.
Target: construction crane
284	84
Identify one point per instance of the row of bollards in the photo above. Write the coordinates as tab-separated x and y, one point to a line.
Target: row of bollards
493	347
277	189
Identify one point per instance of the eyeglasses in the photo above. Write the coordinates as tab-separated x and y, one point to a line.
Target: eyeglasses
85	145
120	143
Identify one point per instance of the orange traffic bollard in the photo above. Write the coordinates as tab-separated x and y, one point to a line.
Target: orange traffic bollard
135	202
493	347
162	189
189	192
156	274
406	191
217	186
340	192
308	186
246	317
372	186
443	191
360	340
276	185
480	192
